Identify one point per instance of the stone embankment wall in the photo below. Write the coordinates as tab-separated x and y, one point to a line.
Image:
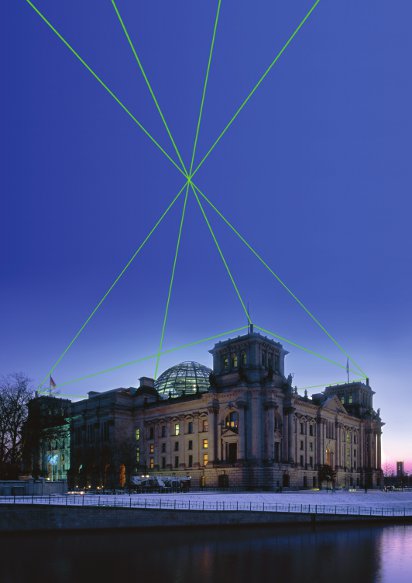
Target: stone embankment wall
31	487
16	518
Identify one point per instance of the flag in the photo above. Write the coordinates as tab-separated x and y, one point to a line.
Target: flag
52	383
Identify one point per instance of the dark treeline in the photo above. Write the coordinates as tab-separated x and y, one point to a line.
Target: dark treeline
15	393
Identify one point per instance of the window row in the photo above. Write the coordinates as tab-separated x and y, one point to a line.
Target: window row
175	430
303	428
176	462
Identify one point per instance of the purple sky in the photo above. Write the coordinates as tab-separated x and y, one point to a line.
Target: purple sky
315	173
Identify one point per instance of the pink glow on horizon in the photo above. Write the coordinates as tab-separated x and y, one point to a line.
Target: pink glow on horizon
389	465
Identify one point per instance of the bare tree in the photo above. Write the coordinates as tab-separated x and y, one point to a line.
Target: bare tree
15	393
388	469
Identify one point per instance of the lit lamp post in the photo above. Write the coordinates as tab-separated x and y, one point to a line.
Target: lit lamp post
53	458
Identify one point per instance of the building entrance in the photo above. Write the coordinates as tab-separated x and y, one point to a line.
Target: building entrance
232	453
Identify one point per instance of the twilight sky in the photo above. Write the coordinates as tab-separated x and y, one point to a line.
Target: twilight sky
315	173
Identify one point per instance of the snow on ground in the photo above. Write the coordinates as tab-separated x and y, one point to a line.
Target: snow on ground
373	502
374	498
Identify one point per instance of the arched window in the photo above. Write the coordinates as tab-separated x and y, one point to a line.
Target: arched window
232	421
225	362
243	358
234	361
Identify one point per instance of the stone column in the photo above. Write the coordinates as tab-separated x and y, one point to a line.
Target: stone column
212	435
305	442
269	407
255	427
284	452
321	442
338	445
242	430
379	451
291	435
169	443
196	436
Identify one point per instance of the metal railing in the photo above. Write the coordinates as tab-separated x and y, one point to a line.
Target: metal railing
160	503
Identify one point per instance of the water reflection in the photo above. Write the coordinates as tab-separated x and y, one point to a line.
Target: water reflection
349	555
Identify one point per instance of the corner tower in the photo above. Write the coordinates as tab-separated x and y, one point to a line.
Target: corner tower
251	358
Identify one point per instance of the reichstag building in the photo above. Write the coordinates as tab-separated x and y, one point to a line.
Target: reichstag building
241	424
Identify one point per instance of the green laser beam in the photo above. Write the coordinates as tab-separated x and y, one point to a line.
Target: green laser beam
113	284
245	101
172	277
222	256
150	357
148	84
329	384
301	304
103	84
308	350
212	45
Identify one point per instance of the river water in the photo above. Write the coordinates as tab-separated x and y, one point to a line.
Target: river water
245	555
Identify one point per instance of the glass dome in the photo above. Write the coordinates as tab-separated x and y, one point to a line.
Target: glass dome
186	378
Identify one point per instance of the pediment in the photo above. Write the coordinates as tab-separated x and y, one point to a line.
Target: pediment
229	433
334	404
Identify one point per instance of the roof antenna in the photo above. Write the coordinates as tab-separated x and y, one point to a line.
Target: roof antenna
250	325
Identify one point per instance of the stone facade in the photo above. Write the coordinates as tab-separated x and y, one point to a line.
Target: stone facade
47	438
251	429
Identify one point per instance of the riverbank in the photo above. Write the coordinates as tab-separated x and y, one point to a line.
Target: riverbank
42	517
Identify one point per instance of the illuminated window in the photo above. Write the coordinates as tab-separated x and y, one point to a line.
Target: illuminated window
225	362
232	421
205	459
234	361
190	444
137	433
177	428
205	425
176	461
342	399
151	448
243	358
151	463
350	399
190	464
190	427
138	455
205	443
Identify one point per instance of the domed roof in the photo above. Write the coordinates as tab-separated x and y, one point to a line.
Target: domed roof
186	378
